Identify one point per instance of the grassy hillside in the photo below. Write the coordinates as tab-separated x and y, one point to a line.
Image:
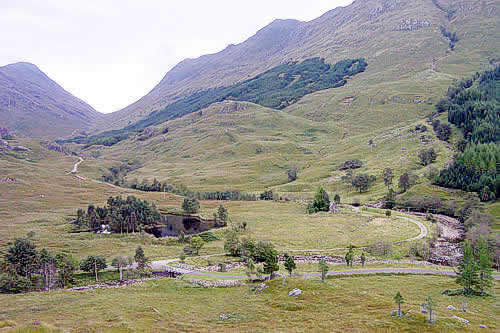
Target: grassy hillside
401	40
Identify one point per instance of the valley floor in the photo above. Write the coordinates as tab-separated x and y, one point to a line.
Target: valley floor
340	304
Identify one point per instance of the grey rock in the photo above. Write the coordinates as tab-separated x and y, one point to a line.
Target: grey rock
20	148
465	321
451	307
295	292
483	326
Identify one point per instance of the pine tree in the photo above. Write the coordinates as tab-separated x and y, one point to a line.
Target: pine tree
429	303
485	270
289	264
398	299
323	269
140	258
467	274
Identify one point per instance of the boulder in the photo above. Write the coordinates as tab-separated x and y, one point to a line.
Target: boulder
20	148
483	326
451	307
465	321
295	292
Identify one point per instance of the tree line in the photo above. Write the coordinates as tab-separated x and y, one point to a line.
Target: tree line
25	268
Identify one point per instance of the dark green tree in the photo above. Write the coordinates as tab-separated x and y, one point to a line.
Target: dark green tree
222	214
191	205
270	261
336	199
398	299
93	264
363	259
140	258
388	177
485	267
196	244
323	269
468	270
427	156
67	265
362	182
407	180
289	264
23	257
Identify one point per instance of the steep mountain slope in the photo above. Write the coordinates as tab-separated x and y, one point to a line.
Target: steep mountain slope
396	37
34	105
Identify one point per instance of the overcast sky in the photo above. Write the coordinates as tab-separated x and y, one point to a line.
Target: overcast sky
112	52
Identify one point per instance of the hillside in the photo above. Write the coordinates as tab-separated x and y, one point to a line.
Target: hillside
32	104
402	41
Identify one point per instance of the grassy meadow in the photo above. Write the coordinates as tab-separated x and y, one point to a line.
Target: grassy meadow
353	303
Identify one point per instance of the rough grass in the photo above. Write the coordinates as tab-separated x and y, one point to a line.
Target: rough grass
355	303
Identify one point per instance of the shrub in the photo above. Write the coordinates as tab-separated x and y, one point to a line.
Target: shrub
351	164
191	205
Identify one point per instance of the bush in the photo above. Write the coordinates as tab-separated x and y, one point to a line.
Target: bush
427	156
388	213
191	205
321	202
208	236
351	164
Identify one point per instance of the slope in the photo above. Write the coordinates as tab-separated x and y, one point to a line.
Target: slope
402	40
34	105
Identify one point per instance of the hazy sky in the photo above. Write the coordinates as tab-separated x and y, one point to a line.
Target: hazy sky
112	52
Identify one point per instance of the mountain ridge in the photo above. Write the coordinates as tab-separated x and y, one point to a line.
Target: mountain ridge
382	31
33	104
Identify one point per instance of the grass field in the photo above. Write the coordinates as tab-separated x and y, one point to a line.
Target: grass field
355	303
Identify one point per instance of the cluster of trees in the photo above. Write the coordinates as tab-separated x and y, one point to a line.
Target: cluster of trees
269	195
252	252
349	257
157	186
474	170
191	205
476	112
120	215
427	156
25	268
321	202
277	88
452	37
351	164
442	130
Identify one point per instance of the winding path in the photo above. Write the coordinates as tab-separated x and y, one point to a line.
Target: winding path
75	170
75	167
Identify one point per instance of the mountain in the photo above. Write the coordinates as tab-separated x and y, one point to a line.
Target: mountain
398	38
32	104
414	50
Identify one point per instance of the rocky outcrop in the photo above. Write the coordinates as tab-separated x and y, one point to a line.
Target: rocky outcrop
412	25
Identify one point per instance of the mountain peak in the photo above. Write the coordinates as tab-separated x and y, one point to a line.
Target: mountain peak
24	66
